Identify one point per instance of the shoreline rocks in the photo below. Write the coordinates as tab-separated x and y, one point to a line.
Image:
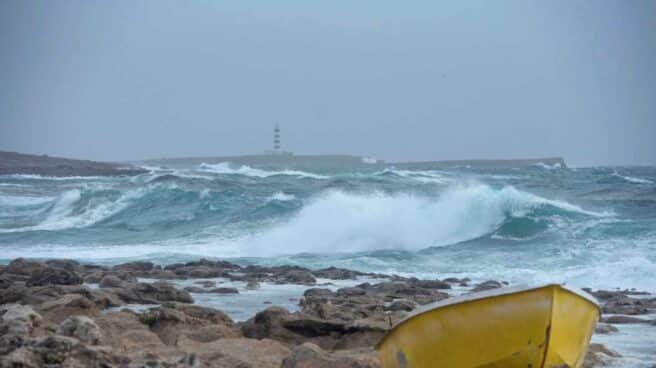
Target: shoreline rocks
49	317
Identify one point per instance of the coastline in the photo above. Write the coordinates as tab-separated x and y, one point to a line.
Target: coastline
66	313
14	163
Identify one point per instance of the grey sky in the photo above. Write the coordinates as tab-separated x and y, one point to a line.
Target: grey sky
398	80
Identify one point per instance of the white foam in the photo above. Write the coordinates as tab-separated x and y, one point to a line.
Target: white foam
227	169
542	165
423	176
343	222
22	201
63	215
282	197
632	179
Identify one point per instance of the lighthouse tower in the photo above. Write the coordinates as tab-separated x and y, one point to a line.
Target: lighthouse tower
276	139
276	144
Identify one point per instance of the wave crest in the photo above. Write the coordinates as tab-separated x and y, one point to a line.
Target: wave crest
227	168
346	222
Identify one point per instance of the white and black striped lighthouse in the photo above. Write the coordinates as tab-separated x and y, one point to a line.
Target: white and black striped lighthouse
276	138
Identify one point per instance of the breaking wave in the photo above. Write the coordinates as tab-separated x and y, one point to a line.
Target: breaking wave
632	179
229	169
346	222
69	211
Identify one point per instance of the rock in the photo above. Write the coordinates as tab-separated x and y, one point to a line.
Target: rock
429	284
82	328
335	273
224	290
401	305
598	356
487	285
603	329
252	285
18	319
296	328
195	290
68	305
123	331
622	320
238	352
351	291
155	293
21	266
303	277
137	267
65	264
206	284
621	304
172	321
111	281
309	355
53	276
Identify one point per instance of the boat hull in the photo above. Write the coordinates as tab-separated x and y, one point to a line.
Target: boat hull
547	326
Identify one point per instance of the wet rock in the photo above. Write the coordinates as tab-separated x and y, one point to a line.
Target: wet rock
487	285
351	291
111	281
82	328
155	293
206	284
53	276
296	277
429	284
23	267
335	273
310	355
401	305
252	285
603	328
224	290
599	356
622	320
195	290
621	304
136	267
65	264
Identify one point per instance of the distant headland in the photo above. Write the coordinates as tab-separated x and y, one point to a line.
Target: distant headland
19	163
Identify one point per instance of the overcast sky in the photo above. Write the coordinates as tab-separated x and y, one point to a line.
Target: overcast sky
124	80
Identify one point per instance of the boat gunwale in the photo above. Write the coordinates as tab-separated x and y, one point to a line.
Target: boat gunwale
508	290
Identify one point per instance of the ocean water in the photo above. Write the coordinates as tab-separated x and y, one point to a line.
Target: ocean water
588	227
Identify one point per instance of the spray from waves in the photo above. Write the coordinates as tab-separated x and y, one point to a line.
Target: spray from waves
282	197
422	176
542	165
334	222
227	169
64	214
23	201
338	221
632	179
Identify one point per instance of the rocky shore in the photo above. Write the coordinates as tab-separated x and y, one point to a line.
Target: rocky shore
63	313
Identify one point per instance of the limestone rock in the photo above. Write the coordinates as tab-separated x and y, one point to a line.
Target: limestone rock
82	328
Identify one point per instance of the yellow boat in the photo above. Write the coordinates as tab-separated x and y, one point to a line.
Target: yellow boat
529	327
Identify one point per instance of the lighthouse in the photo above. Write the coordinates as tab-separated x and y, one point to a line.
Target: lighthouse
276	139
276	143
